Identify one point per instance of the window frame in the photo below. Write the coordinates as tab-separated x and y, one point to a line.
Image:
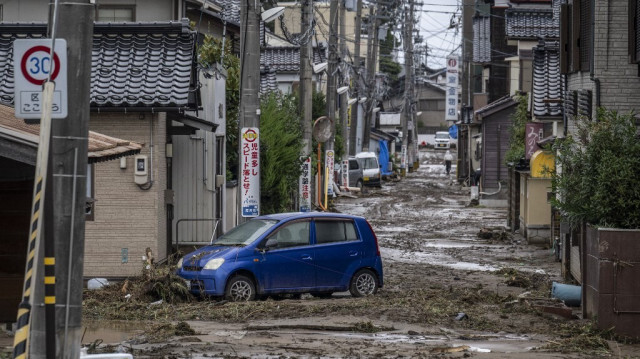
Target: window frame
283	226
116	7
340	220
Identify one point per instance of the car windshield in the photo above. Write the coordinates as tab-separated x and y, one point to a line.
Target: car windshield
369	163
442	136
245	233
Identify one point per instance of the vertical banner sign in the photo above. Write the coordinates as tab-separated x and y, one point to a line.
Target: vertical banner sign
403	157
305	185
534	133
329	163
345	173
250	156
451	107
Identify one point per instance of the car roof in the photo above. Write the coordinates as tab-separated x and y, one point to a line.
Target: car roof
299	215
365	154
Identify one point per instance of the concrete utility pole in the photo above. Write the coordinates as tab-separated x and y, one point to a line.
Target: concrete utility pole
306	65
344	97
355	109
249	89
408	86
332	69
69	146
372	51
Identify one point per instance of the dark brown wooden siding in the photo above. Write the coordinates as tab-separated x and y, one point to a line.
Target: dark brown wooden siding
495	142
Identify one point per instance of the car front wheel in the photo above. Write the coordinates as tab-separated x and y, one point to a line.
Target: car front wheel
363	283
240	289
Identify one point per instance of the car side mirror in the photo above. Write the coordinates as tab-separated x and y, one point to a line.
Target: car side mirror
271	243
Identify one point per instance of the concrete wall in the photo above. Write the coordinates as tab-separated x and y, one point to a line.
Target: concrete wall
126	216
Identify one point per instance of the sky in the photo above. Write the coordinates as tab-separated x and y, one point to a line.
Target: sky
435	19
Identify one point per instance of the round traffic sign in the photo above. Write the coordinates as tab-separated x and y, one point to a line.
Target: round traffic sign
35	64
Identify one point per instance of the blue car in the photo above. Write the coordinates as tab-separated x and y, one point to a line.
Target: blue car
313	252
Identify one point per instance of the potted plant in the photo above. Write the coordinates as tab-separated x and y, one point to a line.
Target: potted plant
597	182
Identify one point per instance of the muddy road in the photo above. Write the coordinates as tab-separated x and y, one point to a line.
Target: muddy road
447	294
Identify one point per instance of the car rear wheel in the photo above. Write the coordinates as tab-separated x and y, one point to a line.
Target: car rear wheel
363	283
359	185
240	289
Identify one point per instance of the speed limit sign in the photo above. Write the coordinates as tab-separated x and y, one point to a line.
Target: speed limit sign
32	64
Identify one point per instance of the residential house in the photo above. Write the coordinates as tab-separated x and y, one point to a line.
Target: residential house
146	88
18	150
599	55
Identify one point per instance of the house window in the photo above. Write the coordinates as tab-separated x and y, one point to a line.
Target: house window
634	31
90	204
432	105
116	13
585	34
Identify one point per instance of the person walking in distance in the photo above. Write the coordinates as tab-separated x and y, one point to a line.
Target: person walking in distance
447	161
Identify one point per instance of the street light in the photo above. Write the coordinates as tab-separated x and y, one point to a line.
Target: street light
376	109
352	101
342	89
319	67
362	100
272	14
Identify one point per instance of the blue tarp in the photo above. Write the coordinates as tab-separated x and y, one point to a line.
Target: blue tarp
453	132
383	159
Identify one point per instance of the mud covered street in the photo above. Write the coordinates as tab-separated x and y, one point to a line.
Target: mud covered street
448	294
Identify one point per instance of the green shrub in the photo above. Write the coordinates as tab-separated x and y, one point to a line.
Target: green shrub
280	148
517	132
598	176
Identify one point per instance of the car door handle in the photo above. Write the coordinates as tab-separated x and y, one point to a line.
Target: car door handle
306	257
353	253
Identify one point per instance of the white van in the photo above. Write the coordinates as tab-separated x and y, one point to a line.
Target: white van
370	168
442	140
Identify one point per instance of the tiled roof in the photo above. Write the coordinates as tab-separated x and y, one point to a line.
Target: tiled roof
495	106
531	23
132	64
287	59
230	10
268	80
547	80
482	39
101	147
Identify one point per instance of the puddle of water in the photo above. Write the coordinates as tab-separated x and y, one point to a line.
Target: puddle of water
109	332
433	259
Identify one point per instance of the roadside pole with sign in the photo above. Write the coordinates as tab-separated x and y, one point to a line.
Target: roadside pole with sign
451	97
345	173
305	185
329	162
31	64
250	167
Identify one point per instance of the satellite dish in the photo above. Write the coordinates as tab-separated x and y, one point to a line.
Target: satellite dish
322	129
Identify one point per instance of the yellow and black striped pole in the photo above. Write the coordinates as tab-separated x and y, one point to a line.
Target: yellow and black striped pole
21	339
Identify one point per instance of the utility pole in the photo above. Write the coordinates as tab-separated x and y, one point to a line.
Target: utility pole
306	92
332	69
372	47
408	87
69	146
355	109
344	97
249	121
306	98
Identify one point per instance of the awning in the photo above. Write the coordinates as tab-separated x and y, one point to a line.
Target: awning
19	141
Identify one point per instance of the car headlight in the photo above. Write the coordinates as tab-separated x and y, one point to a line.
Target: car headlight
214	264
179	265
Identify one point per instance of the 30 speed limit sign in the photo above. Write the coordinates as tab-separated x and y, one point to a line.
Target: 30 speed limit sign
32	64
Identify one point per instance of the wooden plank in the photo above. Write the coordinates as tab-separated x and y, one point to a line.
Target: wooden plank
575	263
